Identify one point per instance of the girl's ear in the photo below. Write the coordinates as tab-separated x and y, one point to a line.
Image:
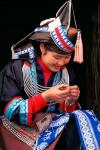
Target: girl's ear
42	48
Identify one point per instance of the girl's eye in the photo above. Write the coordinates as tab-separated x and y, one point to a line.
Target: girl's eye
56	57
67	57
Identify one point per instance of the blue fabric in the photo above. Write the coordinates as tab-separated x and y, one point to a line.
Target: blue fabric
20	106
87	124
88	128
23	116
52	106
12	107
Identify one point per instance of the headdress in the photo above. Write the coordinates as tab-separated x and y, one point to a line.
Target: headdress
56	31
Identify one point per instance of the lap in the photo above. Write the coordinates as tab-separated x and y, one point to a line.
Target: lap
69	139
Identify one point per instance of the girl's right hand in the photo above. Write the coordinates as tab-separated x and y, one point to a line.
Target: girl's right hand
57	93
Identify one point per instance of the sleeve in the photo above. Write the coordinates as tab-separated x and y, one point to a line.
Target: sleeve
13	101
73	80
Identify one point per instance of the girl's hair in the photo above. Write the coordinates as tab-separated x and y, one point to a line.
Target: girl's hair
48	46
54	48
36	46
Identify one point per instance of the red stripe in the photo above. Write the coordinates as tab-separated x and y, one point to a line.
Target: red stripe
35	104
27	63
30	113
62	40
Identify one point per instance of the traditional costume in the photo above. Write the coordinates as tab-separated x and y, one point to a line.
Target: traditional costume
27	120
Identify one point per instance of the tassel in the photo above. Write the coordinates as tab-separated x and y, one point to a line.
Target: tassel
78	56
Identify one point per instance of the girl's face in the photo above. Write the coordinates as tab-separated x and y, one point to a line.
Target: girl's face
53	60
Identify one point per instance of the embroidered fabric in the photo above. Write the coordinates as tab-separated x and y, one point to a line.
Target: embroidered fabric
31	86
88	129
28	135
19	132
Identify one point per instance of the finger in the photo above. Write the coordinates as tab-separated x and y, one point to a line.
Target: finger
64	90
74	90
74	87
64	93
62	86
75	94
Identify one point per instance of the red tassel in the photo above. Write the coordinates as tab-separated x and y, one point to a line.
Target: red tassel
78	56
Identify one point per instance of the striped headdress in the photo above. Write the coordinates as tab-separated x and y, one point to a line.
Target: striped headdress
58	31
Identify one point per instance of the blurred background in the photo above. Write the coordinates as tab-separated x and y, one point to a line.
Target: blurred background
18	18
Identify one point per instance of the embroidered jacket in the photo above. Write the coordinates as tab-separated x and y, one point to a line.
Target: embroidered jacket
15	103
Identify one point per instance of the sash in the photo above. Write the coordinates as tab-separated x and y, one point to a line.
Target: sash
88	129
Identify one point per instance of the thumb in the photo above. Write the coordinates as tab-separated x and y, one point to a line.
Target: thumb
62	86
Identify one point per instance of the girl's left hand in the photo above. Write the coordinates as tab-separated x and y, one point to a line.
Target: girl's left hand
74	94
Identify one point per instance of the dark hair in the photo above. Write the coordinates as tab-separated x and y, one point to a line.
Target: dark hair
49	47
36	45
54	48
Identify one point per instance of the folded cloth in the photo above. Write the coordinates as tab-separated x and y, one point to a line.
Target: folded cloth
88	128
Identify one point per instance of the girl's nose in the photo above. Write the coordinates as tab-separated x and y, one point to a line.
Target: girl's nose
61	63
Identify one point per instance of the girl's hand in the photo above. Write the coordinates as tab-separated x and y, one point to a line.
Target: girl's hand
73	95
56	93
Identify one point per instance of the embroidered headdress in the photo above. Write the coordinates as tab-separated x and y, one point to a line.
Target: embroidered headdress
55	31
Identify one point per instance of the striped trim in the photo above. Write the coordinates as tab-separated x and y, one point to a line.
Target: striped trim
12	108
20	106
61	40
42	29
24	112
29	51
